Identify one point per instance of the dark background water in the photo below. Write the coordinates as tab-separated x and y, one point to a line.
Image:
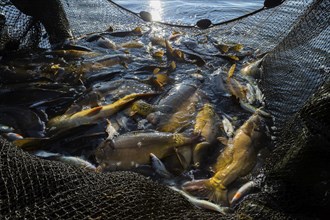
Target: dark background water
190	11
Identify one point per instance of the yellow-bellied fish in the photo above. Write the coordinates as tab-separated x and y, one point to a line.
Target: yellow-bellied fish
237	160
208	124
91	115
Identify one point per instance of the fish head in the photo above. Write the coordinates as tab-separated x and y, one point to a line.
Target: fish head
141	107
255	126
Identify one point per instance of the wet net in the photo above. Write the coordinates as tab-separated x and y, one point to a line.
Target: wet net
294	80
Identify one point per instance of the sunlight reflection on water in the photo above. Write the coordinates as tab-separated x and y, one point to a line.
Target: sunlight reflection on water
156	9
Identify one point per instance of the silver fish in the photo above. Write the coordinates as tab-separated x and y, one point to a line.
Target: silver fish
202	203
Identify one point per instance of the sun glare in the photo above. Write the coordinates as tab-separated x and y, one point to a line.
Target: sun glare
156	9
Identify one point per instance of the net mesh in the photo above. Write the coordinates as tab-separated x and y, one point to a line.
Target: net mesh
295	82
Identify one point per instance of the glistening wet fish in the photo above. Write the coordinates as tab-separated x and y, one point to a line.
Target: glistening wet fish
133	149
208	124
73	161
242	192
135	32
237	160
92	115
202	203
253	69
159	167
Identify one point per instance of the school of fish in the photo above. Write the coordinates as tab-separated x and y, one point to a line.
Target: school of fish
185	113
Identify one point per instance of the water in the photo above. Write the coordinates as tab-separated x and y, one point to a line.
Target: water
191	11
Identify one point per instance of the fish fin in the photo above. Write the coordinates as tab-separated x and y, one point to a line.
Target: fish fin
181	159
94	111
30	144
111	131
73	109
231	71
159	167
223	140
203	189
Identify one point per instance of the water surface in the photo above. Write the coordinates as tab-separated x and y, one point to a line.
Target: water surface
191	11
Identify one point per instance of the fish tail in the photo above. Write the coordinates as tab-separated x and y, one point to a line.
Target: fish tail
203	189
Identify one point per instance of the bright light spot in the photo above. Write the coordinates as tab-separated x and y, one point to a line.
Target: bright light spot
156	9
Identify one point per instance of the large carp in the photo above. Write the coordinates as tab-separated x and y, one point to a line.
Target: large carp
237	160
209	125
132	149
173	112
88	116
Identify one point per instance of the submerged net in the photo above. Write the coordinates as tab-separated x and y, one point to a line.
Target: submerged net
295	83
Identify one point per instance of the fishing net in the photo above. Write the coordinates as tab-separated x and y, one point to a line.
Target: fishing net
295	83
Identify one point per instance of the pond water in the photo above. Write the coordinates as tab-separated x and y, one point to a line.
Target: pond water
191	11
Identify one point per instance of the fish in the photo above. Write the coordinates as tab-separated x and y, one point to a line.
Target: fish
252	109
225	48
203	204
236	160
253	69
208	125
176	98
242	192
132	149
236	89
106	43
135	32
173	54
60	139
228	127
182	118
142	108
132	44
107	61
158	54
12	136
159	167
25	121
73	54
158	40
250	93
102	41
94	114
73	161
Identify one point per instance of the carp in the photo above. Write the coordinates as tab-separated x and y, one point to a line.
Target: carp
130	150
208	124
237	160
92	115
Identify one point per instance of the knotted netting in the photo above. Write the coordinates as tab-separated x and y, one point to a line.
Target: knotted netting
295	83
